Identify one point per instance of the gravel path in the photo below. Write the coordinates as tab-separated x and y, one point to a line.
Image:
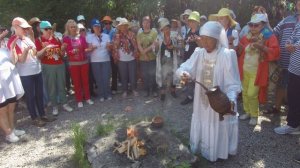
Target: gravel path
51	146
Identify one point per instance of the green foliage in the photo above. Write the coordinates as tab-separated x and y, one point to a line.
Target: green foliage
183	165
59	11
79	139
105	129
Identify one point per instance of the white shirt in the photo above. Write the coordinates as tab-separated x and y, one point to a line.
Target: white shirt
32	65
100	54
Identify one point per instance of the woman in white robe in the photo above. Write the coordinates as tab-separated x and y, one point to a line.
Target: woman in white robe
213	65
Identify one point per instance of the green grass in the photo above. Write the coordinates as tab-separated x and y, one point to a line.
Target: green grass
105	129
79	140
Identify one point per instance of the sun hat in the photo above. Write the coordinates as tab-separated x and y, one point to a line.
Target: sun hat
80	17
163	23
80	26
18	21
45	24
223	12
195	16
123	21
186	12
106	19
95	22
34	20
257	18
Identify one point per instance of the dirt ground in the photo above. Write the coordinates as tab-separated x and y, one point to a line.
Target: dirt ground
51	146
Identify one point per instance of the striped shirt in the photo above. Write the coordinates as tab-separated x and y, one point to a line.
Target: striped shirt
294	66
283	32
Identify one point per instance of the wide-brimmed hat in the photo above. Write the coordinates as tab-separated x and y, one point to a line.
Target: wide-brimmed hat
123	21
34	20
259	17
107	19
186	12
223	12
163	23
195	16
18	21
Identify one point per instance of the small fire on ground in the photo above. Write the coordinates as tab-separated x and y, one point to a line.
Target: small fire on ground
132	146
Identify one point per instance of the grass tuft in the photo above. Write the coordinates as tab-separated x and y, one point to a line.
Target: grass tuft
79	140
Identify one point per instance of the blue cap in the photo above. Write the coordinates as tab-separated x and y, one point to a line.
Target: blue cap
45	24
95	22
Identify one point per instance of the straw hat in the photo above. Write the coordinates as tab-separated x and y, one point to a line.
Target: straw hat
123	21
195	16
163	23
34	20
223	12
107	19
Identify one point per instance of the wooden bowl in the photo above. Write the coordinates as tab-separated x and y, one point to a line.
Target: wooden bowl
157	122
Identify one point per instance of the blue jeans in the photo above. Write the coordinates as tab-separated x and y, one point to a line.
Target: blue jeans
102	73
33	87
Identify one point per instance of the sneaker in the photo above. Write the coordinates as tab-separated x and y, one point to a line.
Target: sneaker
55	111
135	93
38	123
101	99
253	121
47	119
90	102
109	98
71	92
244	117
12	138
186	101
124	95
286	129
19	132
67	107
79	104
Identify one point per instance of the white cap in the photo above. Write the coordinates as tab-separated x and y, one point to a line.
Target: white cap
80	17
80	26
256	18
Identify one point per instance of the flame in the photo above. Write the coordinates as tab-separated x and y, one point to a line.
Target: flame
131	132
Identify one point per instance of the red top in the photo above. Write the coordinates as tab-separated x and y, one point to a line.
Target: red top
11	39
262	75
76	43
52	56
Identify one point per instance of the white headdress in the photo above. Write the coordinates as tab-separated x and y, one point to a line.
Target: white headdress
215	30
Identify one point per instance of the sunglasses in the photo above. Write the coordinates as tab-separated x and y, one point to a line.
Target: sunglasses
253	25
81	30
107	23
46	29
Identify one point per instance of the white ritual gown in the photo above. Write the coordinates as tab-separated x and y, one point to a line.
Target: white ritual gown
213	138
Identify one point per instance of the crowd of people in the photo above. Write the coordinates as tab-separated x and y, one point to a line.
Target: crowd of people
97	57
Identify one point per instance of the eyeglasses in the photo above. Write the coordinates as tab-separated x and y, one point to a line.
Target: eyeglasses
81	30
107	23
253	25
46	29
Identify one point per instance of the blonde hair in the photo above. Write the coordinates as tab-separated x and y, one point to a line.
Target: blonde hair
67	27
